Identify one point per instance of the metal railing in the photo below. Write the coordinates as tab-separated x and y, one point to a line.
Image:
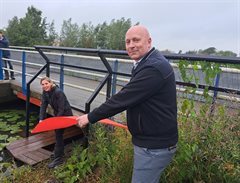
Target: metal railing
109	74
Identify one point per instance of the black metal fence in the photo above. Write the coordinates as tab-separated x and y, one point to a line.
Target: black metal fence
226	78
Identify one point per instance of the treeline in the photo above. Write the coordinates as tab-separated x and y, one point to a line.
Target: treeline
208	51
33	29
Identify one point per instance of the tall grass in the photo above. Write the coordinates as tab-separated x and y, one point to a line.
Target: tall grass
208	152
107	159
208	149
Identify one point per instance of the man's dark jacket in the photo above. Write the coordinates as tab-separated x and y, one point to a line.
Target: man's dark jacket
4	43
58	101
150	101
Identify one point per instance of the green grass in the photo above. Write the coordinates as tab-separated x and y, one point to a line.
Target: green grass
208	151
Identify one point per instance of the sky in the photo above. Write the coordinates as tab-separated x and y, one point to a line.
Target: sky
173	24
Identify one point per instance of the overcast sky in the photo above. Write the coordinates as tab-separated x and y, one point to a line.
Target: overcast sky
173	24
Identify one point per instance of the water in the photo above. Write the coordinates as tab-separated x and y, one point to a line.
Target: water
12	125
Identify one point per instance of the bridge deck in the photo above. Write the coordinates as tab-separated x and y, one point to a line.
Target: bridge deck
31	150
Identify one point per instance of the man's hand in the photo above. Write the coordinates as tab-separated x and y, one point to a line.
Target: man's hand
82	121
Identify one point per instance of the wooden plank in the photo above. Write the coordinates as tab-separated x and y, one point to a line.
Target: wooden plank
33	146
30	151
48	140
34	156
30	147
38	137
45	152
25	159
41	156
28	140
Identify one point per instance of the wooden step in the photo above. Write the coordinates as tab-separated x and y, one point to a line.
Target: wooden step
31	150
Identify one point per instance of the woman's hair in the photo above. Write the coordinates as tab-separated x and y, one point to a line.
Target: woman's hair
48	80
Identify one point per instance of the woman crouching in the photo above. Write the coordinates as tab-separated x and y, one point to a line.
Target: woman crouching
56	98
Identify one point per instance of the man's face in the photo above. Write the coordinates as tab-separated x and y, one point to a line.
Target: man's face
46	86
137	42
1	35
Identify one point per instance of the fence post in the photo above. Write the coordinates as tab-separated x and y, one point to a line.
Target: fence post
1	65
24	85
114	77
216	84
62	73
28	93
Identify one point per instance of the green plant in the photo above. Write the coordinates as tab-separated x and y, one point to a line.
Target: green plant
101	161
77	166
208	149
11	124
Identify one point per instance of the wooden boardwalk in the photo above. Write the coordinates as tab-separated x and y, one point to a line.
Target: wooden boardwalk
31	150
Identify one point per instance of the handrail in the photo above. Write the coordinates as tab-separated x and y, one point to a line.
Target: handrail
100	53
83	50
217	59
44	51
28	94
1	70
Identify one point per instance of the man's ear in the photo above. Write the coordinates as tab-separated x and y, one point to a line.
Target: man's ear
150	42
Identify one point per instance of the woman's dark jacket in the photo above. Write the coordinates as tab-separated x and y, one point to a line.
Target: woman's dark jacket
58	101
150	101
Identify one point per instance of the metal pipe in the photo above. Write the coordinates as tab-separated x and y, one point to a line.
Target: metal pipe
24	89
1	65
62	73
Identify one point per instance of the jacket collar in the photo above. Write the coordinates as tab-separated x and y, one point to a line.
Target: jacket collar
143	60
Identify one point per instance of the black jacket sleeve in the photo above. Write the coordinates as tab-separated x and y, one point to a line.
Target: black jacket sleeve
60	98
144	84
43	108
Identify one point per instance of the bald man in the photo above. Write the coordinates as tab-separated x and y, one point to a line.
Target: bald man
150	101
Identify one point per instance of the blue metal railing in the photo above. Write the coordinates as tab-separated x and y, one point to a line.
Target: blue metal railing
1	65
24	85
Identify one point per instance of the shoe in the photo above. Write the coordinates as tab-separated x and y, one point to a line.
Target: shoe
55	162
13	78
6	78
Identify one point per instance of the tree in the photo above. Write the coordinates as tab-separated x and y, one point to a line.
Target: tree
13	31
110	36
192	52
208	51
226	53
101	35
116	33
86	36
52	35
69	34
29	30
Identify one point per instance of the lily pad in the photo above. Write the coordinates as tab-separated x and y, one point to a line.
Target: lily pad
12	139
3	137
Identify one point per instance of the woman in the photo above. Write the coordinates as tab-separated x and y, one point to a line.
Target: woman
55	97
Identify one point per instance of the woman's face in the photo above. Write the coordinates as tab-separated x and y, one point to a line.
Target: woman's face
46	85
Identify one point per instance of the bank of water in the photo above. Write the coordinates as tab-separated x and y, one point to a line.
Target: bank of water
12	125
